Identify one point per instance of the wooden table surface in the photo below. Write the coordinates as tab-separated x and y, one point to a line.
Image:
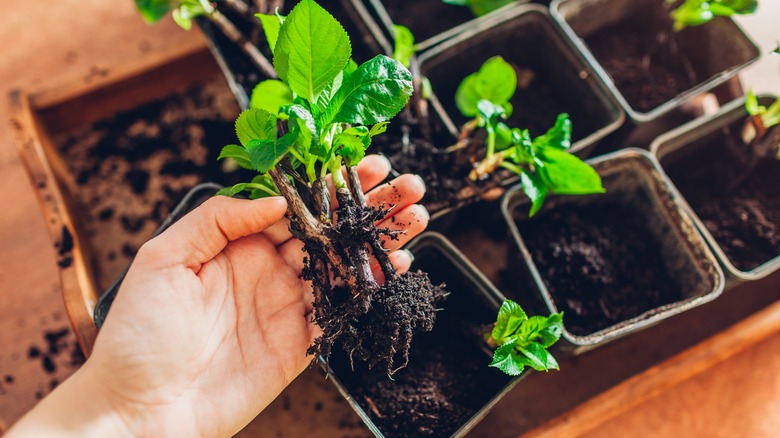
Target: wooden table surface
49	44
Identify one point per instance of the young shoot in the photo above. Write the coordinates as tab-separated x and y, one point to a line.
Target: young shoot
522	341
543	163
184	11
697	12
480	7
758	129
301	130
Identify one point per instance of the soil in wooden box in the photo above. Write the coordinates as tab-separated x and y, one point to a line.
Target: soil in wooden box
448	379
602	259
739	205
127	172
427	18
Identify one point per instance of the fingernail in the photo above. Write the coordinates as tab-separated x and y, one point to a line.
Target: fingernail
411	255
422	182
425	211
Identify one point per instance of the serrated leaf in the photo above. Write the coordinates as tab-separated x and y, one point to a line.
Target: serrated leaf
272	24
232	190
237	153
536	190
378	129
302	122
539	358
350	146
496	81
270	95
255	124
264	154
510	316
404	45
377	91
311	51
565	174
505	359
559	136
153	11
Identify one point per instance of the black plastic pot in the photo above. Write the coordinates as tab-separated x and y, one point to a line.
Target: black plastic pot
367	39
198	195
618	262
527	37
713	52
467	314
431	21
704	159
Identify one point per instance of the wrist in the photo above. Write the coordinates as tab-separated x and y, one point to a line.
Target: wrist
79	407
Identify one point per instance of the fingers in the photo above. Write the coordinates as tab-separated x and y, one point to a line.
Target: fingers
203	233
405	190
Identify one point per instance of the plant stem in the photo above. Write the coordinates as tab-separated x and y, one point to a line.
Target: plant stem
238	5
376	246
491	141
235	35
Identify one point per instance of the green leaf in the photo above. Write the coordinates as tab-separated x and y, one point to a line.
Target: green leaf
531	330
272	24
237	153
777	49
506	360
378	129
233	190
510	316
189	10
262	186
457	2
496	81
352	144
504	137
270	95
264	154
302	123
490	112
482	7
153	11
559	136
565	174
311	51
404	45
751	103
539	358
536	190
255	124
377	91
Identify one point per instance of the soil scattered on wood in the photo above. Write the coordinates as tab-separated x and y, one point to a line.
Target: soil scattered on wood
738	203
126	173
600	261
448	379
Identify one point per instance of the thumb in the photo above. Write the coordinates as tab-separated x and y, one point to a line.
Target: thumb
204	232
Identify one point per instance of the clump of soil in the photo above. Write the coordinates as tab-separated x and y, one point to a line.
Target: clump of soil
448	379
600	261
737	199
127	172
643	56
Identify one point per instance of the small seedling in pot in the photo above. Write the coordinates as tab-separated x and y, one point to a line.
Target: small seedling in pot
520	341
184	11
480	7
761	130
543	163
300	131
697	12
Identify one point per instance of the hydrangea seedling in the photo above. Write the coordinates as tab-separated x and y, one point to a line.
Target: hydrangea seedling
761	128
522	341
543	163
697	12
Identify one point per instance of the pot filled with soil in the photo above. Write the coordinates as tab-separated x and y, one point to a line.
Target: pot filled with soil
727	175
650	66
447	386
434	21
617	262
239	53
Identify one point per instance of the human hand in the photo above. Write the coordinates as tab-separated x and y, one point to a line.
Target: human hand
212	321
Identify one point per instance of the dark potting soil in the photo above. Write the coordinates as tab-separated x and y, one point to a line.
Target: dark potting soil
127	172
643	55
739	205
364	46
427	18
600	261
448	379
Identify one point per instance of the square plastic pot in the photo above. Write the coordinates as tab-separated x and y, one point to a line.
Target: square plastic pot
717	51
472	306
527	37
693	138
633	179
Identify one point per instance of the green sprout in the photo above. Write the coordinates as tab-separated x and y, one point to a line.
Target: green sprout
480	7
762	120
522	341
697	12
543	163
